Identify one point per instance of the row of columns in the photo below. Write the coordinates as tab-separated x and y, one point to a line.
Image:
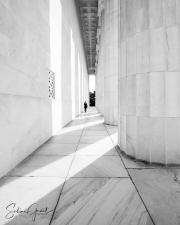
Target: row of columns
140	75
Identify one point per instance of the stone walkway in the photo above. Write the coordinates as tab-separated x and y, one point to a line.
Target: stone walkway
78	177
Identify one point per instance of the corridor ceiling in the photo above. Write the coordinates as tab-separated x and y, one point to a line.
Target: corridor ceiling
88	15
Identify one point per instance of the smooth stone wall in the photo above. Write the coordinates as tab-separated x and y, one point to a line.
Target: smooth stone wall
111	63
35	36
149	85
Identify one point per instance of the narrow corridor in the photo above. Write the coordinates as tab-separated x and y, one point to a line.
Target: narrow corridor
78	178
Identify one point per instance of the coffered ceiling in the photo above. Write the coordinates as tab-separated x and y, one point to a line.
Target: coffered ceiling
88	16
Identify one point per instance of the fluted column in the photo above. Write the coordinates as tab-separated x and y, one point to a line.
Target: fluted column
101	64
101	57
111	63
97	88
149	75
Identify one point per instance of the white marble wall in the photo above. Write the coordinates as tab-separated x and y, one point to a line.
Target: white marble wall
74	68
35	37
149	83
111	63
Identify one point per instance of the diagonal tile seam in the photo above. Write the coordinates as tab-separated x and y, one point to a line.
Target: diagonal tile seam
65	179
79	177
136	188
67	176
132	180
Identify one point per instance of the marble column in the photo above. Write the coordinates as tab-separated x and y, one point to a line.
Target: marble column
149	80
111	63
98	74
101	60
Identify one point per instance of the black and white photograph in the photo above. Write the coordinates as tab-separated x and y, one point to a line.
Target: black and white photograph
89	112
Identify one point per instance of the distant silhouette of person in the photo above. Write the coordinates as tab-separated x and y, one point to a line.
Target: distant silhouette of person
85	106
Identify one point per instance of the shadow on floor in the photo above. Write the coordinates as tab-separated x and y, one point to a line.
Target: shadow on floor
78	178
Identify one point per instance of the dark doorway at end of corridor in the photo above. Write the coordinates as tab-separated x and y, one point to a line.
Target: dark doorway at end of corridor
92	98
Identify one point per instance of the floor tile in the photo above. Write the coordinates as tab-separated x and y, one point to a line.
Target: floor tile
93	115
54	148
77	122
114	138
95	128
96	149
94	119
160	191
75	126
41	165
74	139
82	115
23	192
69	131
95	133
95	123
109	127
112	129
97	166
95	139
96	202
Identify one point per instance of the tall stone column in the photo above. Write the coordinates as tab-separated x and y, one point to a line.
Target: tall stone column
111	63
149	76
97	81
98	71
101	59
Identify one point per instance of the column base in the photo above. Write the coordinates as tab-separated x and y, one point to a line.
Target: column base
143	163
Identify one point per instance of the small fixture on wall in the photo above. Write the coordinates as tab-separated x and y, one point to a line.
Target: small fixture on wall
51	85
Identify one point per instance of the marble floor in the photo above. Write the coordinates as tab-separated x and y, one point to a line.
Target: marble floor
79	177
